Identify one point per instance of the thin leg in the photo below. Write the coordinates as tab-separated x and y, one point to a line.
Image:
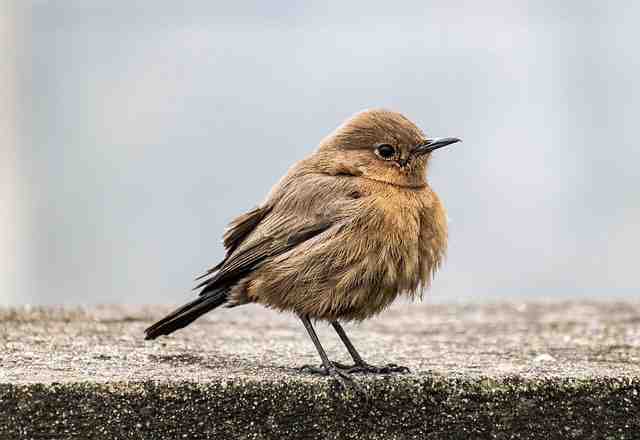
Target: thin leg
327	366
347	343
326	363
360	365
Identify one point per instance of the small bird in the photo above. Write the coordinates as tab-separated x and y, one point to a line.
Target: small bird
343	234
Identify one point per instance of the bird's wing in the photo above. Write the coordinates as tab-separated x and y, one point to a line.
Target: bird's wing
251	256
242	226
239	229
280	225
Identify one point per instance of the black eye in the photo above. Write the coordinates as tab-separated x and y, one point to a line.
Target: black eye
386	151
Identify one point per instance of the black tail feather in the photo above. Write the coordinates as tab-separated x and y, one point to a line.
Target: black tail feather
188	313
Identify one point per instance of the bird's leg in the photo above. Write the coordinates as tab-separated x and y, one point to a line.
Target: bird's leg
360	366
327	368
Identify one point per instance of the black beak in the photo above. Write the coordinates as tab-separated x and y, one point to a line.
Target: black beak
433	144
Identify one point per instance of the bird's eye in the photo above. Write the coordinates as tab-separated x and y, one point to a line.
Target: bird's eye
386	151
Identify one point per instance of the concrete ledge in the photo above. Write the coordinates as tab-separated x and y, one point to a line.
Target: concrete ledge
529	371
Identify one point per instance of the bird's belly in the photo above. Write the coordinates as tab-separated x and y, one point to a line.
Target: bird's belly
369	287
390	266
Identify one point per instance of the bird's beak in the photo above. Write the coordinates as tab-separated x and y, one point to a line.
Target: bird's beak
433	144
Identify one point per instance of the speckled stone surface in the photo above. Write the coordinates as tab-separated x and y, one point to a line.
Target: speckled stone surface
557	370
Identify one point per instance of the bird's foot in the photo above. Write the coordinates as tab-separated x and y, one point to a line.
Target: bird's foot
310	369
364	368
343	378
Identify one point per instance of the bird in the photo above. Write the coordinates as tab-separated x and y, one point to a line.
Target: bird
348	230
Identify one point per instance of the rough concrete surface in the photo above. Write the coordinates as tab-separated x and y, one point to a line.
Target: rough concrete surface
524	371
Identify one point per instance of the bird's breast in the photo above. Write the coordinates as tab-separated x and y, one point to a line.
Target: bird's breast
408	240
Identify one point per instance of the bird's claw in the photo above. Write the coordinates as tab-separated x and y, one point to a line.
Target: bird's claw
365	368
320	370
341	376
362	368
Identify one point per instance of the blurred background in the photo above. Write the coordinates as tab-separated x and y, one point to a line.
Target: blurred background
133	131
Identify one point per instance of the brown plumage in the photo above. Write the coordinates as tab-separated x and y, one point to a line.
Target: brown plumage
340	237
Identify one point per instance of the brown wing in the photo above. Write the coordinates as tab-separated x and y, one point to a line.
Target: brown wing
249	257
242	226
298	211
236	232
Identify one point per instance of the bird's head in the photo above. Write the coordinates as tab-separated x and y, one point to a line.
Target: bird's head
380	145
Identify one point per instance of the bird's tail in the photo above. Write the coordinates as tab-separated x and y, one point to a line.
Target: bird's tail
188	313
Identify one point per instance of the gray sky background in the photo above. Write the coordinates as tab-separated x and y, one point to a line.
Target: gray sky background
145	126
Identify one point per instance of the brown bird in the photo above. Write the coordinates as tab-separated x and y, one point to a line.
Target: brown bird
339	238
